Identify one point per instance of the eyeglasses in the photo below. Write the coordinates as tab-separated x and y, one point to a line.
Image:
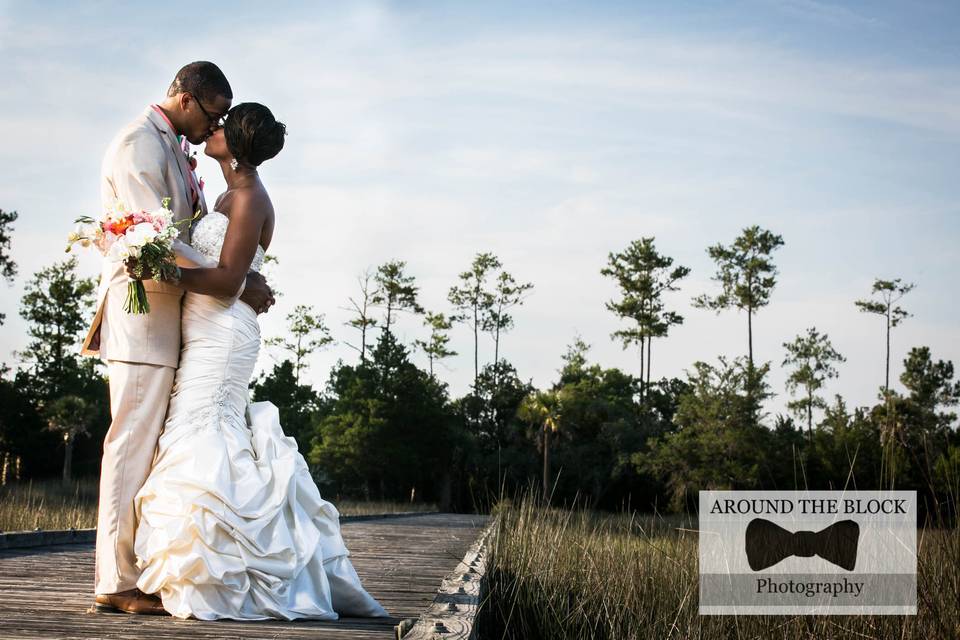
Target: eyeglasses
218	121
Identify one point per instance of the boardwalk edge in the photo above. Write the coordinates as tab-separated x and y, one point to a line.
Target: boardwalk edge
26	539
453	612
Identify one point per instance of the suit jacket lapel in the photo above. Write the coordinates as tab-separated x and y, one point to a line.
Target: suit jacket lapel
180	159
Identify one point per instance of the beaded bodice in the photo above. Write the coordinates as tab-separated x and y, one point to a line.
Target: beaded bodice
208	234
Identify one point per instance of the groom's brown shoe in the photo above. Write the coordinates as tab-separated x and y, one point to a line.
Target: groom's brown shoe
132	601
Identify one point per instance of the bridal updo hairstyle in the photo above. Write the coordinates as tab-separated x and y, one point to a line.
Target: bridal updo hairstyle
252	133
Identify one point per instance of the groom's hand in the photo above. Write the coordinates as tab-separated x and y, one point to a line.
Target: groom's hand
257	294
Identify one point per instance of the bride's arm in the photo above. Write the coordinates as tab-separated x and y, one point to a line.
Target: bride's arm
248	214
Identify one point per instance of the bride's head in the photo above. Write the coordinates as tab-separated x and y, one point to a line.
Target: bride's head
250	135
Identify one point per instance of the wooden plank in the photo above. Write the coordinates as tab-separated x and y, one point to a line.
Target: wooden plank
453	612
46	592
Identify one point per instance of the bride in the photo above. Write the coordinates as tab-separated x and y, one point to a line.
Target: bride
231	524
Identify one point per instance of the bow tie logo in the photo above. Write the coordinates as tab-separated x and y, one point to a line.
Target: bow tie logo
767	544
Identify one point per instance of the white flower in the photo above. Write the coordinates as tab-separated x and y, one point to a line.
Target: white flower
119	250
141	234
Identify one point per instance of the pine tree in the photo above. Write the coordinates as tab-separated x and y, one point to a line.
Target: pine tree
889	293
474	301
363	320
435	347
643	276
307	334
813	357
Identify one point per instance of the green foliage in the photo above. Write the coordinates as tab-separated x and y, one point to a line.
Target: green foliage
717	444
395	291
474	301
8	268
812	357
507	293
385	435
643	276
362	320
299	404
886	294
745	271
436	346
56	304
308	333
500	451
747	276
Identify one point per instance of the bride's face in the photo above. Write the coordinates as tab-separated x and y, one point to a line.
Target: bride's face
216	146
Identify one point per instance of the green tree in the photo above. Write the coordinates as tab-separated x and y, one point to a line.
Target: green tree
717	443
813	358
474	301
363	320
846	449
396	291
747	276
498	454
8	268
643	275
307	334
57	304
916	428
436	345
385	436
886	294
543	409
506	294
69	416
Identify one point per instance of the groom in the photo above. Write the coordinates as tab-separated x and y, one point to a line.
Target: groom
144	164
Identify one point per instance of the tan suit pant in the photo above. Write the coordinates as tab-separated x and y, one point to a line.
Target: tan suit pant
139	395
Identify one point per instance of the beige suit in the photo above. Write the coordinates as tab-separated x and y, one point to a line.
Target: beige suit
143	165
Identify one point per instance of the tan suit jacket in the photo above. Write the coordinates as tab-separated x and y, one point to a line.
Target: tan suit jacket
143	165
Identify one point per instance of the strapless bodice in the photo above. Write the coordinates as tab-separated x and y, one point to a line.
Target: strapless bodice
208	235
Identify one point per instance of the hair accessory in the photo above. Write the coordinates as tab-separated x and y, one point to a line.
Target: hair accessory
233	164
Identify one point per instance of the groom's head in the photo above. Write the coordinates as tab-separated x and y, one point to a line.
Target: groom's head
197	100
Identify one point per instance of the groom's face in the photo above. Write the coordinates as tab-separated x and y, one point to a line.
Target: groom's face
201	118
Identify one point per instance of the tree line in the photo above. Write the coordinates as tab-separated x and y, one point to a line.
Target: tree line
382	427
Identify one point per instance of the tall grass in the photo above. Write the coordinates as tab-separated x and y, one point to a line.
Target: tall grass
49	504
572	573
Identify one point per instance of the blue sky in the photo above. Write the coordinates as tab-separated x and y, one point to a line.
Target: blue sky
550	134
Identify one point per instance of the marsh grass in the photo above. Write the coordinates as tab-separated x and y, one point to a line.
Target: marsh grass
560	574
49	504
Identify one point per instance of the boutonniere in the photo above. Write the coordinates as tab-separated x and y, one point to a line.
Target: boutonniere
192	161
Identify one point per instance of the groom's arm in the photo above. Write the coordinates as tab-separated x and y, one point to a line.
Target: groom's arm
137	178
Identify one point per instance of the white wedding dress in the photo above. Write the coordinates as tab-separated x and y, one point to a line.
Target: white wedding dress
231	525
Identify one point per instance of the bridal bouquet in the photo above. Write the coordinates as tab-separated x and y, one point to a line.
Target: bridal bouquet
146	236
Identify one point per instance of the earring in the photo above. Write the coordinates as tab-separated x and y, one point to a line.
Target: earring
233	164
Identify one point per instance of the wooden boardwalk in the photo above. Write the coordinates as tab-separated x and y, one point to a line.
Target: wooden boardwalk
46	592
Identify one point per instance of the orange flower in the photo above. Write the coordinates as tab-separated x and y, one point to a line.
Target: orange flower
120	227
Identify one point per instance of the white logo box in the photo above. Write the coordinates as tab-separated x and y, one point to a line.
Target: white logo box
882	582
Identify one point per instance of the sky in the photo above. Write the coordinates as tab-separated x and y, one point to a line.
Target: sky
550	134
